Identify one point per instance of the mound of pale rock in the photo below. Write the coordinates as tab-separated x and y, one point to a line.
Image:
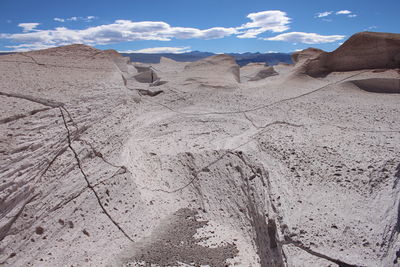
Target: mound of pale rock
264	73
306	54
220	71
365	50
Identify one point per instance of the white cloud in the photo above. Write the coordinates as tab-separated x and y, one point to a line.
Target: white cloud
371	28
306	38
340	12
271	20
86	19
156	50
324	14
28	47
127	30
119	31
28	27
343	12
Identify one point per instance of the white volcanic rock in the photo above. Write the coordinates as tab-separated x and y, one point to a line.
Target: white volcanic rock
286	171
256	72
300	56
220	71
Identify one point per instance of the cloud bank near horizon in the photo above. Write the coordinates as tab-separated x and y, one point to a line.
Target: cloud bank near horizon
271	21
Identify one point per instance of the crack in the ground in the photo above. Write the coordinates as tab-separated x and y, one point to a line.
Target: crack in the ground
298	244
46	102
62	204
33	59
89	185
101	156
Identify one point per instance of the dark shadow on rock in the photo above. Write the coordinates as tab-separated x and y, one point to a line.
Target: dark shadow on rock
379	85
173	243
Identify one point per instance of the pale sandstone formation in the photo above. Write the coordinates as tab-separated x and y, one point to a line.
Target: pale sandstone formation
256	72
305	54
98	169
365	50
220	71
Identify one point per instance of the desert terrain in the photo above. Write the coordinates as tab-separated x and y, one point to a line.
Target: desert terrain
108	162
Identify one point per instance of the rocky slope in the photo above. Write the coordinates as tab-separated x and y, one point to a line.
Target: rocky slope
195	164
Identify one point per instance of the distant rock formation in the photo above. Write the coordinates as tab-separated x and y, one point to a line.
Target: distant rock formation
365	50
306	54
264	73
220	71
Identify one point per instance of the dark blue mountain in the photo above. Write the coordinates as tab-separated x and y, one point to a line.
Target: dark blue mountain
241	59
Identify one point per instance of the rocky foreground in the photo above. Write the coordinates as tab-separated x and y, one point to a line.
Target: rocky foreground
105	162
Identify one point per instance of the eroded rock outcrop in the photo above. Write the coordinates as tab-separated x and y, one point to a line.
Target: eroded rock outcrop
305	54
365	50
220	71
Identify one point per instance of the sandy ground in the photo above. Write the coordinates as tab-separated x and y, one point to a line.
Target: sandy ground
98	169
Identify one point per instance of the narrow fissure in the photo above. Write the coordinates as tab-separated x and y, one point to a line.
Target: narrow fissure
301	246
87	180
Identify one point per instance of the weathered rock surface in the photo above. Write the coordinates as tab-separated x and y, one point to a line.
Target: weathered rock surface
97	169
256	72
380	85
305	54
365	50
220	71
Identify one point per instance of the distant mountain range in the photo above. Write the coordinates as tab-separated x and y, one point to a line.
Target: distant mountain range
241	59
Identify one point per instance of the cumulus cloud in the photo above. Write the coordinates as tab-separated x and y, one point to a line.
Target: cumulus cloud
156	50
270	20
306	38
324	14
86	19
28	47
28	27
343	12
119	31
126	30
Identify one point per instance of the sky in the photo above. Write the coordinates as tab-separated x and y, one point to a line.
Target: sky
177	26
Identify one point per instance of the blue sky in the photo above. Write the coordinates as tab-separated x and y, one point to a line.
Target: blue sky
188	25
